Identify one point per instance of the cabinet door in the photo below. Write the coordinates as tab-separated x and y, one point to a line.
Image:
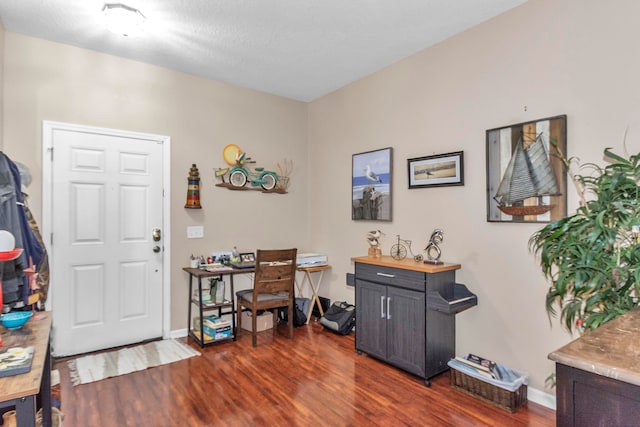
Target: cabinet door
371	328
406	329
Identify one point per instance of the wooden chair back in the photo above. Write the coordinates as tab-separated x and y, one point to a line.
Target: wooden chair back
273	287
275	271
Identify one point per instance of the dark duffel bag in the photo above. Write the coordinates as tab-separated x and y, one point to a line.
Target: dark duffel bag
339	318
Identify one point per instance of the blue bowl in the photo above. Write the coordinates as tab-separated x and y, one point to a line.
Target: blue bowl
15	319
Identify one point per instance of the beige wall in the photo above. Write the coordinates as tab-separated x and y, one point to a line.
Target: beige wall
541	59
575	57
49	81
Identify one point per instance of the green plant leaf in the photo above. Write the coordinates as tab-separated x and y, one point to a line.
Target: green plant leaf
590	257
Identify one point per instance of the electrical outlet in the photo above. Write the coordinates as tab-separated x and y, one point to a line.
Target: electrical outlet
195	232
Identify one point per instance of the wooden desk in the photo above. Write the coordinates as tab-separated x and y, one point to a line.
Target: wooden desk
315	286
21	390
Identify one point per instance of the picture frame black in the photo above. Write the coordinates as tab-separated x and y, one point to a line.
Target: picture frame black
371	185
501	145
439	170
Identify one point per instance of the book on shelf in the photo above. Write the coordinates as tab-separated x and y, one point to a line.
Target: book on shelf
218	336
213	322
216	322
15	360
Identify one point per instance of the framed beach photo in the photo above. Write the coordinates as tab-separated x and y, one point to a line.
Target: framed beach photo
436	171
371	185
526	177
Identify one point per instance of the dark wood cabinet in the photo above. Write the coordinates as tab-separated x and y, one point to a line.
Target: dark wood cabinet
598	376
585	399
386	313
405	313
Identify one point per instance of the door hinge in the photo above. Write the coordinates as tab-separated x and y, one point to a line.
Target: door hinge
50	150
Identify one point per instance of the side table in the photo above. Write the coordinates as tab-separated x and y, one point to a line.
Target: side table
21	390
315	286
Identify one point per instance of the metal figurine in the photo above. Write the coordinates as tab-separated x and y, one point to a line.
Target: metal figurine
433	249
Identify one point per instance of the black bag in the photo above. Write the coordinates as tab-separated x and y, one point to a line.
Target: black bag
339	318
299	316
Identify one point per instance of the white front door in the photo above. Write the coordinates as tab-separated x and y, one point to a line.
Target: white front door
106	247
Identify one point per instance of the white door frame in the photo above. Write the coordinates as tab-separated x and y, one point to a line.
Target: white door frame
48	128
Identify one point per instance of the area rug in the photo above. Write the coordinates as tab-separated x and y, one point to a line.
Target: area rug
97	367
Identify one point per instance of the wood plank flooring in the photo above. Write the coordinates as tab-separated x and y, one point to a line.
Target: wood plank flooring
315	380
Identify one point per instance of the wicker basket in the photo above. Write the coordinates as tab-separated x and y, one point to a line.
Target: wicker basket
509	400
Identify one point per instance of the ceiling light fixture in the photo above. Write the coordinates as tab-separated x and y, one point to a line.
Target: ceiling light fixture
123	20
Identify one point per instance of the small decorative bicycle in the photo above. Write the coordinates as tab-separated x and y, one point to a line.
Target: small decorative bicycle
241	174
399	250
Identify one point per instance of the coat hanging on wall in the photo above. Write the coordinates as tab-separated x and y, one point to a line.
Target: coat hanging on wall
17	286
38	275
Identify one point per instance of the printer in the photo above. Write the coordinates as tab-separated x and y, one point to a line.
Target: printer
310	260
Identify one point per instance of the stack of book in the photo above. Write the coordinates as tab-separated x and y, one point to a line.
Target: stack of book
214	328
484	367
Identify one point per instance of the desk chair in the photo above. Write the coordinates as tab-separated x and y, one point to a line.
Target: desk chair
273	287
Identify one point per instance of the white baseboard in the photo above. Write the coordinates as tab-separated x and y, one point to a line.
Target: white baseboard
178	333
541	398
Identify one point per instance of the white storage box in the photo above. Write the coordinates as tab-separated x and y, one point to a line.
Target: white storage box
264	321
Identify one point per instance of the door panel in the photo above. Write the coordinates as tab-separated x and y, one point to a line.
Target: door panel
370	318
106	281
86	282
406	330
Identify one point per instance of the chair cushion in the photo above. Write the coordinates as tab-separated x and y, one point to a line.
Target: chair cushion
247	295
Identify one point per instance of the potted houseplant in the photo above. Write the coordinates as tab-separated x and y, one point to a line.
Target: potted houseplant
592	257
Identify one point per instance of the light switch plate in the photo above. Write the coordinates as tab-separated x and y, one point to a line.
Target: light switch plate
195	232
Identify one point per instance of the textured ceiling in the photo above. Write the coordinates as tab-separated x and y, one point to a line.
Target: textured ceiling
299	49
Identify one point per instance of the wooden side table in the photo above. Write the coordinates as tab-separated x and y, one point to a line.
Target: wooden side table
315	286
21	390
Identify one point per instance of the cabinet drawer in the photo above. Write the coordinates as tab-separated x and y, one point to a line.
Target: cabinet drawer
408	279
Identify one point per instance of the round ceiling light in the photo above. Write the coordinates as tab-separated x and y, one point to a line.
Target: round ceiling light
123	20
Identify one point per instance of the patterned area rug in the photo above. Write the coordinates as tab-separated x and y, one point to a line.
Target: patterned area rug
97	367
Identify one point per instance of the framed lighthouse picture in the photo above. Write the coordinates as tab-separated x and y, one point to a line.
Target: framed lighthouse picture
371	185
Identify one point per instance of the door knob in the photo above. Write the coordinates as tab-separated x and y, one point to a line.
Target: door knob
156	234
156	249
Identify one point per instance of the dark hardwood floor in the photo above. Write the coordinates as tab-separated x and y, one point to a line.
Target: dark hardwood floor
315	380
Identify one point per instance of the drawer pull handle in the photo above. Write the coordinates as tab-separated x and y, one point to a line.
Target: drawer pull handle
382	306
386	275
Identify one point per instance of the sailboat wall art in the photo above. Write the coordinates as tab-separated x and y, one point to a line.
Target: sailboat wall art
526	180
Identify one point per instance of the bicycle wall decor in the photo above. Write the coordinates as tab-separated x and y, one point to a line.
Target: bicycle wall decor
239	173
